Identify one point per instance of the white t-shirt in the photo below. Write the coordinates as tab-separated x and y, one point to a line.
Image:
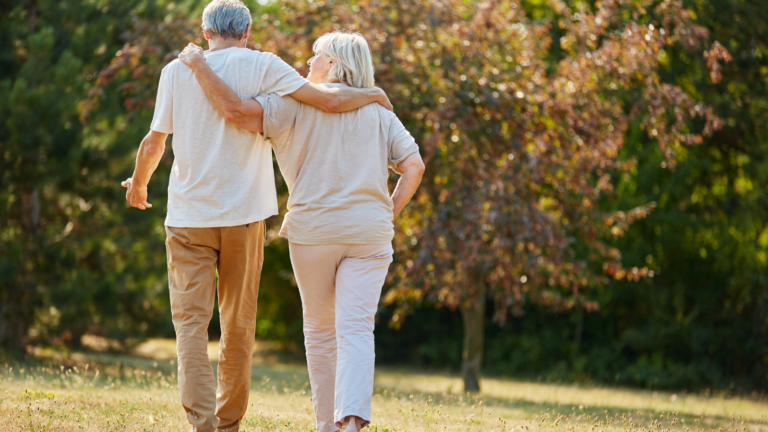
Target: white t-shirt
222	175
335	166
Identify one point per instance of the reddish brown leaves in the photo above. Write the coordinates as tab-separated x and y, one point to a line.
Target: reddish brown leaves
519	147
714	55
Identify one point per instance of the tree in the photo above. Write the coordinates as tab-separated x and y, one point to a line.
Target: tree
70	263
520	137
701	321
704	321
522	150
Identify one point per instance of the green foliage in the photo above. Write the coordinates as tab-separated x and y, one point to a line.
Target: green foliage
503	199
702	319
705	316
73	260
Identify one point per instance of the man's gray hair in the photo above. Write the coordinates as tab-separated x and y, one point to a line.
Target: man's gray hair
226	18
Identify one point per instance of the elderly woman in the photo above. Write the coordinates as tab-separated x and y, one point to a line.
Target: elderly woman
340	215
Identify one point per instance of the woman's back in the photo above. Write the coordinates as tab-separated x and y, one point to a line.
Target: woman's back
335	166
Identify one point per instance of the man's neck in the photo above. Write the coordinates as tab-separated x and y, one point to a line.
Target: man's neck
219	43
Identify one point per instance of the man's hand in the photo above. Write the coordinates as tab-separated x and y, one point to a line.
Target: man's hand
137	196
191	55
384	100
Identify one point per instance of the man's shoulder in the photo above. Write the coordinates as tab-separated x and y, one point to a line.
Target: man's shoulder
252	55
174	67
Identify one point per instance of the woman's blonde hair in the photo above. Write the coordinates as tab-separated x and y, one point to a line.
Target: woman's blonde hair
352	64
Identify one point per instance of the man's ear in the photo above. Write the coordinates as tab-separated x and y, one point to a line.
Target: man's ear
247	33
206	35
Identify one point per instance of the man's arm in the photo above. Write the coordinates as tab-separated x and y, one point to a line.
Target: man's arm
150	152
411	170
340	99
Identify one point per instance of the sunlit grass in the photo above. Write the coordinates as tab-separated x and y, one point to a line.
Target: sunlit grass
97	392
693	405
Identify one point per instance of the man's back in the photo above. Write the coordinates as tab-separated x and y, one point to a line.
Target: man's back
222	175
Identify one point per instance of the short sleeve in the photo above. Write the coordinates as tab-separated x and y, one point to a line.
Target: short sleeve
162	120
279	116
400	142
280	78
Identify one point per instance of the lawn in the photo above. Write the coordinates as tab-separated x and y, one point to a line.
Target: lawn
101	392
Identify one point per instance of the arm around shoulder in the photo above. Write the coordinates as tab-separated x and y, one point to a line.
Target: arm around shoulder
245	114
248	115
340	99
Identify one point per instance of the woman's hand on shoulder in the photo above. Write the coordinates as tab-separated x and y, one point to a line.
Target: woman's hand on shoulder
191	55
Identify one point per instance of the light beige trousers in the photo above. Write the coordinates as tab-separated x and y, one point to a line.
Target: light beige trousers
194	256
340	287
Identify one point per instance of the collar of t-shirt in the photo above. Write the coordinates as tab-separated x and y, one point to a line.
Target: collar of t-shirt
334	84
218	51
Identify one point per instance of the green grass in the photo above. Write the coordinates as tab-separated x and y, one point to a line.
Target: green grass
97	392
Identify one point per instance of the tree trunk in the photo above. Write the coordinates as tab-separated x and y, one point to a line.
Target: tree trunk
30	203
32	15
579	330
473	316
12	325
17	301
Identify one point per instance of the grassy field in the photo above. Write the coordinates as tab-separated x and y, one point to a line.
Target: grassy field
99	392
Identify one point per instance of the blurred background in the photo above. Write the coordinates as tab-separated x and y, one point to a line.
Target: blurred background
595	206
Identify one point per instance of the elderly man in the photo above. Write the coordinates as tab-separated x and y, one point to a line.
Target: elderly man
221	190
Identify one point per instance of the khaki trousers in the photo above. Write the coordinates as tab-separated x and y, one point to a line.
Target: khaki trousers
194	256
340	287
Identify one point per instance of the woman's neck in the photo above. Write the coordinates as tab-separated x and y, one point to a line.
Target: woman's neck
323	80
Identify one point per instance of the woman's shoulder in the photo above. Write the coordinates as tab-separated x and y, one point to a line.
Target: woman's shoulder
388	118
384	114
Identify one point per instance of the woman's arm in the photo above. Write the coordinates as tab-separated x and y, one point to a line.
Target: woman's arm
411	170
246	114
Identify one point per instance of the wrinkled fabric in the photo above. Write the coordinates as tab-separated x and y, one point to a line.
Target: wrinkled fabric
222	175
194	256
335	167
340	287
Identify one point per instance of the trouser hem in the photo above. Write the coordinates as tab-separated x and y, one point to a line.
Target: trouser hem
366	419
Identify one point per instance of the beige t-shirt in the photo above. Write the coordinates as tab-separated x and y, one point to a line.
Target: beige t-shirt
222	175
335	166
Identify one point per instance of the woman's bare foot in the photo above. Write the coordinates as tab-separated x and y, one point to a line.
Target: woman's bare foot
353	423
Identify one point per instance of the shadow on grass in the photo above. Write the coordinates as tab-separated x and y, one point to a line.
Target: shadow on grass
108	369
547	413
